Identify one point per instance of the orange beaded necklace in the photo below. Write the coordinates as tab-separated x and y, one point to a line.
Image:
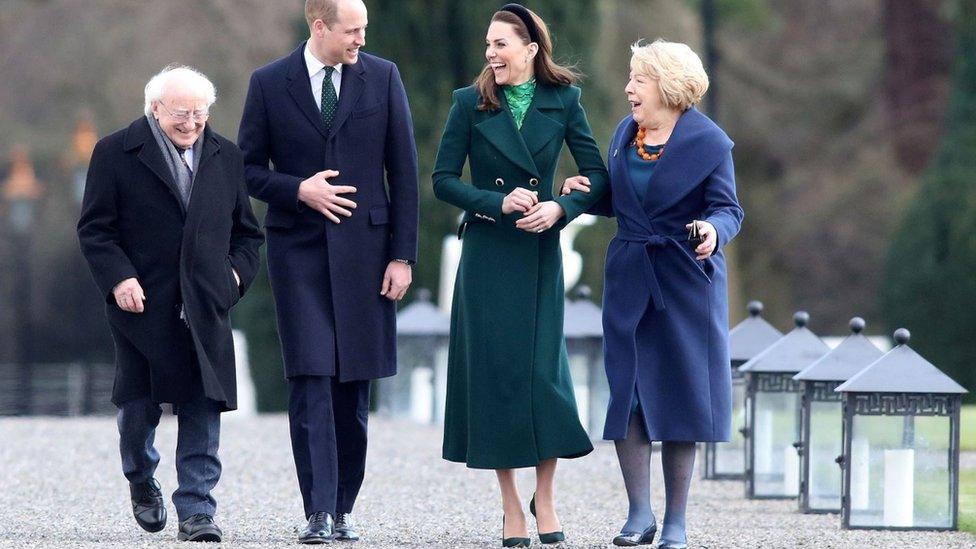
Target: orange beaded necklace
641	152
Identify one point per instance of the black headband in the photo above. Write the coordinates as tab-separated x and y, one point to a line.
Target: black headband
526	17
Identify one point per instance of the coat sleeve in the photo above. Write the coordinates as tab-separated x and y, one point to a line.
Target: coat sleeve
98	227
254	139
451	156
246	237
722	208
400	160
586	153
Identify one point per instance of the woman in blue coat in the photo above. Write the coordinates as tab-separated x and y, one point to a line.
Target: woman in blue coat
665	308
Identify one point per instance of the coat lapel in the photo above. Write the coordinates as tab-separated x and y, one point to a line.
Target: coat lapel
538	128
140	136
692	152
300	88
353	83
622	186
499	129
211	147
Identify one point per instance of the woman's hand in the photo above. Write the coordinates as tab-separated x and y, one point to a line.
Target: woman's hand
541	217
707	247
519	200
575	183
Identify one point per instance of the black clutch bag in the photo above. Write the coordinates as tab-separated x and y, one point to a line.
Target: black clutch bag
694	236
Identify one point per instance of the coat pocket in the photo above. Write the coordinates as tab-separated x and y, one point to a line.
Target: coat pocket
234	290
379	215
368	111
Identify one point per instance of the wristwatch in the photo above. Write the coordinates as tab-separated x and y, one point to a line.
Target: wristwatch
405	261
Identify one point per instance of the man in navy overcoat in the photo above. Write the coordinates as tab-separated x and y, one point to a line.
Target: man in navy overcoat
342	195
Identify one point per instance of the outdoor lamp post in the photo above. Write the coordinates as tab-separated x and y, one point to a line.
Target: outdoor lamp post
772	412
901	444
422	336
821	418
21	192
583	330
724	460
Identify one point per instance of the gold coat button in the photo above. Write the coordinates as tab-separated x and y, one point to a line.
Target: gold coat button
500	182
534	182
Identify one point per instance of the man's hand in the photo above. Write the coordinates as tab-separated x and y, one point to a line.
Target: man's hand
129	296
323	197
396	281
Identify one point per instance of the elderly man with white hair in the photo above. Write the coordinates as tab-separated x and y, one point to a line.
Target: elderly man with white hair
167	229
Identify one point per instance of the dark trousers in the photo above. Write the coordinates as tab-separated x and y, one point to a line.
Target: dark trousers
328	439
197	465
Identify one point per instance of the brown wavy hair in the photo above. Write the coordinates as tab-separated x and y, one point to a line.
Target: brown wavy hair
546	69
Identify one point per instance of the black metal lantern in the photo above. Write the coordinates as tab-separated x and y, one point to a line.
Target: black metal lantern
772	412
725	460
900	464
583	330
422	338
821	418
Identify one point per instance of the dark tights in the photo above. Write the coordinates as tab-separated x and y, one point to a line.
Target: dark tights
678	462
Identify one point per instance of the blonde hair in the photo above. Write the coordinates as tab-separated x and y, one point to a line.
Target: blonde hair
678	70
178	74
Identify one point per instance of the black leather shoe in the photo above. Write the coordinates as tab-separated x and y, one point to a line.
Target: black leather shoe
320	529
200	527
147	505
345	530
630	539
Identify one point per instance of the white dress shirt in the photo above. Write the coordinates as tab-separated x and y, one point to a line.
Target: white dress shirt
316	73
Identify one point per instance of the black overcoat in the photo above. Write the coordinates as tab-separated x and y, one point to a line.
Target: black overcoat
133	224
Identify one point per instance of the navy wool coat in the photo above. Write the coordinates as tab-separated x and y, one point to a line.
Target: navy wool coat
665	314
134	224
326	277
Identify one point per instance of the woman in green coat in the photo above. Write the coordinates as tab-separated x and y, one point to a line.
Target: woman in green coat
510	399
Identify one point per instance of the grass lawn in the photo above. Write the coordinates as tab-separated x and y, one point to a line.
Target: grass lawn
967	433
967	477
967	500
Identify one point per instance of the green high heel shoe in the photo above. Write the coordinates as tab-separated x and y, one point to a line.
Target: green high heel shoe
513	542
551	537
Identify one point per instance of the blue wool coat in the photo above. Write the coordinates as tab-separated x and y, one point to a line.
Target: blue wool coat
665	314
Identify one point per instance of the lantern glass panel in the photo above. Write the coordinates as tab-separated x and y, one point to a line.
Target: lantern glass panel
900	472
777	465
826	424
729	456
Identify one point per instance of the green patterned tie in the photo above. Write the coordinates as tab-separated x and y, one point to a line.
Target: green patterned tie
329	98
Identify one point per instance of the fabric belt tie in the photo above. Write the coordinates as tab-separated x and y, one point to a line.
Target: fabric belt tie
652	243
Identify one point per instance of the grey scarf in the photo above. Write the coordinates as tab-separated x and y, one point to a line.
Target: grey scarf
181	175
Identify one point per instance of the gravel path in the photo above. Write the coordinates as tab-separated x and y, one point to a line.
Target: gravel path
61	486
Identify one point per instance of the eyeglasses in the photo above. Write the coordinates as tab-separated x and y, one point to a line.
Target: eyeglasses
184	116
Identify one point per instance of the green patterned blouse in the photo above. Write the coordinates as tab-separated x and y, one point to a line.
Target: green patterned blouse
519	98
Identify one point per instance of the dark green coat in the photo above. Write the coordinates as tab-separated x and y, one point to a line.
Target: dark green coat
510	399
